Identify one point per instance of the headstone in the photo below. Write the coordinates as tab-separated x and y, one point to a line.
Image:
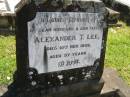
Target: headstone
60	47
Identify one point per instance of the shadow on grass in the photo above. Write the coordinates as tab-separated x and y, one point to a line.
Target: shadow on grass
7	32
125	18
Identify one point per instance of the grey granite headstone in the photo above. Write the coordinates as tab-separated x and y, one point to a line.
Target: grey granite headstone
60	46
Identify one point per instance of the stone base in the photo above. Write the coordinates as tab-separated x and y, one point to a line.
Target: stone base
115	93
78	89
113	83
73	90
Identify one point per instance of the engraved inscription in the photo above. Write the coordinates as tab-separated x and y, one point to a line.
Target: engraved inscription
64	40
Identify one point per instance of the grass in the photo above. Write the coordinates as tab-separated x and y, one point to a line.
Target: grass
7	58
117	54
118	51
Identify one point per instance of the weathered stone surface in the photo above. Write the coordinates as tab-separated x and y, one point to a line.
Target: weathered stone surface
113	82
3	89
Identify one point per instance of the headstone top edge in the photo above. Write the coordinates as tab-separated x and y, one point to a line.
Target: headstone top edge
21	4
24	2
